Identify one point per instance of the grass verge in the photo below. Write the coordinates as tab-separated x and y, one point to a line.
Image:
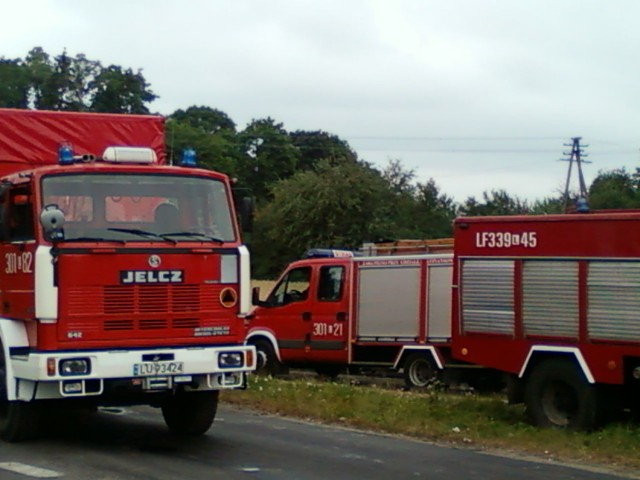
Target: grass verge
481	422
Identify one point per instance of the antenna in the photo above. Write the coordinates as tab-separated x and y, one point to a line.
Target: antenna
576	155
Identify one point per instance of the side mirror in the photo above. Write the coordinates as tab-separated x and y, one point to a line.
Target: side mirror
255	298
246	214
52	220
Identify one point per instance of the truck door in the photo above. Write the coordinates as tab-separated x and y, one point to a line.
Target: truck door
329	316
287	314
17	251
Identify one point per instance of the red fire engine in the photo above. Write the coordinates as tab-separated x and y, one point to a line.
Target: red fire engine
553	301
334	311
124	280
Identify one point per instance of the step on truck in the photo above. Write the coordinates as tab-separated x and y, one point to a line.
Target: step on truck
336	312
124	280
554	302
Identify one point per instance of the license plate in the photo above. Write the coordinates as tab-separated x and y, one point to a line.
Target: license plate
157	368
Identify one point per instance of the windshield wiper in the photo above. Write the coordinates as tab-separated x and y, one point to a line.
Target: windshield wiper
194	234
142	233
93	239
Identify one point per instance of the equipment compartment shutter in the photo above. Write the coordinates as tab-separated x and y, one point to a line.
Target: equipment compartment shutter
439	302
614	301
550	298
487	296
388	303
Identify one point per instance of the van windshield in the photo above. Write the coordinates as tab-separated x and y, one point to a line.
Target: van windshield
139	207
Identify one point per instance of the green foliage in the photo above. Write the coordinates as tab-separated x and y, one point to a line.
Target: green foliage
210	132
332	206
496	202
614	189
72	83
267	155
318	145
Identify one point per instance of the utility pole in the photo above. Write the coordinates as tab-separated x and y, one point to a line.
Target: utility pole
576	155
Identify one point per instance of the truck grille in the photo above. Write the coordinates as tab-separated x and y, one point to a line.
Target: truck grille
142	307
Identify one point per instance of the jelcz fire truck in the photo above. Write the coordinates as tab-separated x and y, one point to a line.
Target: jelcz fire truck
553	301
124	280
334	311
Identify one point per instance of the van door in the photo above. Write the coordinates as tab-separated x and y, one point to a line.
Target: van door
329	316
286	314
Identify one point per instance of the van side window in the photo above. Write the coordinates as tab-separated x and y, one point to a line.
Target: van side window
330	284
20	215
294	287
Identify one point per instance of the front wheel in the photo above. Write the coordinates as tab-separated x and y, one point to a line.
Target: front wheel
557	394
19	421
190	413
267	360
419	371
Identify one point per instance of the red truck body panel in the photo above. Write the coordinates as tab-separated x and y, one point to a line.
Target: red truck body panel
566	283
30	138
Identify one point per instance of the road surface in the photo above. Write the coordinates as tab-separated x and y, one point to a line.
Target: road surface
134	444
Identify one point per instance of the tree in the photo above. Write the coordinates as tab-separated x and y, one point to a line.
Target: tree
210	132
614	189
206	119
339	205
115	90
72	83
496	202
318	145
14	84
267	156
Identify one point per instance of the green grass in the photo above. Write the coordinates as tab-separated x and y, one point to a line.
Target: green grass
481	422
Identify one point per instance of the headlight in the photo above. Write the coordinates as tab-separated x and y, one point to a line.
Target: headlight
230	360
74	366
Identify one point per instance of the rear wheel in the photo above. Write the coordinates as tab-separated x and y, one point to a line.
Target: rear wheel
419	371
19	421
190	413
557	394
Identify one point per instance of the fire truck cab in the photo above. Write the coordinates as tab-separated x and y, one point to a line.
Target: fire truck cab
124	281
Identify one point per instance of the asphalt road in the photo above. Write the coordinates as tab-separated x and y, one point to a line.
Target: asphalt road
134	444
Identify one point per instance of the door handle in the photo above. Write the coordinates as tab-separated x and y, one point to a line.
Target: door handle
306	316
341	316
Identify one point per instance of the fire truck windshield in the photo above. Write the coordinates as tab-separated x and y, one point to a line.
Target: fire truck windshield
140	207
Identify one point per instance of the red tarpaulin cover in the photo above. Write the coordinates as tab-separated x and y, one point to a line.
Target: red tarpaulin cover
31	138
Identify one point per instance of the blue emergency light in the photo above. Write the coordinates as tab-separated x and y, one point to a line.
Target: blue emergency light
188	158
65	154
330	253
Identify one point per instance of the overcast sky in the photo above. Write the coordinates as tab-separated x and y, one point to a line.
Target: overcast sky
476	94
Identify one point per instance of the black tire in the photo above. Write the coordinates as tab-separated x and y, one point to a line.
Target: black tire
330	372
190	413
557	394
267	361
19	421
419	371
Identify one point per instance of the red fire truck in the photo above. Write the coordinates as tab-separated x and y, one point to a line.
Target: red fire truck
124	280
553	301
334	311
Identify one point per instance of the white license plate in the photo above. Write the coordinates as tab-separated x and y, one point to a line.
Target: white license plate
157	368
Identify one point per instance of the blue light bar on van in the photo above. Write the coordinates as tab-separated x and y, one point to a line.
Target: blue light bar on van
330	253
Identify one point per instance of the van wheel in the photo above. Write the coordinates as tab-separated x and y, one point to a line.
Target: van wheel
190	413
267	361
19	421
557	394
330	372
419	371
